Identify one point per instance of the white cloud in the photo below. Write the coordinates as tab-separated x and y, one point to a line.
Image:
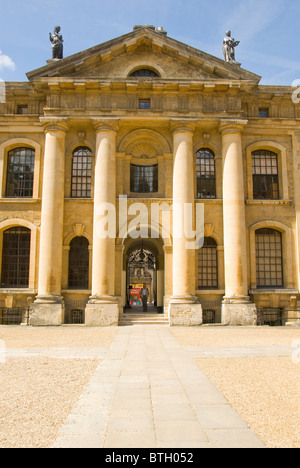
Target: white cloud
6	62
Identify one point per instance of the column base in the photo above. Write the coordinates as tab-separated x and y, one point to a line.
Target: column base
47	312
102	312
239	311
184	312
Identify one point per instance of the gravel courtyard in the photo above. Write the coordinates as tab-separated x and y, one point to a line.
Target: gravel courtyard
265	391
44	372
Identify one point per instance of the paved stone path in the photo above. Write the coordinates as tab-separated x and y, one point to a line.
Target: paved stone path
147	392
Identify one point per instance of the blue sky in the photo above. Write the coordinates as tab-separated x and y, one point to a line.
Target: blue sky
268	30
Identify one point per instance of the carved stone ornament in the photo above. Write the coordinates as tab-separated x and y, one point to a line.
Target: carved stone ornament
79	229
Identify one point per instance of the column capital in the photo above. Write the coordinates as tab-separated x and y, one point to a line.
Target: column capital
105	125
182	125
232	126
55	123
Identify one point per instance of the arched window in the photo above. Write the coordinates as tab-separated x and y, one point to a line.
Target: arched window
265	175
206	177
144	73
15	258
81	173
208	265
144	179
79	263
269	271
20	170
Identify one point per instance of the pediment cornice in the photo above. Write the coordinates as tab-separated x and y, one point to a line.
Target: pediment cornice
76	66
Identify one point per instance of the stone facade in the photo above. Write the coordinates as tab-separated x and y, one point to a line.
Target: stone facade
95	100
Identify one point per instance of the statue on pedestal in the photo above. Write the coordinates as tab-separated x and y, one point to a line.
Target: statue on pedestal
229	45
57	44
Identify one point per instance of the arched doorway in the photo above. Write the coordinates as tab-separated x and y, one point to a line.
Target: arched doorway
144	265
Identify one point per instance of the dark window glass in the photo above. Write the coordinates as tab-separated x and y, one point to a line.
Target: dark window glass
265	175
263	113
144	179
20	169
206	179
15	258
22	110
79	263
208	265
81	173
144	73
268	258
144	104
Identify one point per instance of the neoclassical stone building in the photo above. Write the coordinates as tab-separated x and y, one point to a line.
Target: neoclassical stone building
146	119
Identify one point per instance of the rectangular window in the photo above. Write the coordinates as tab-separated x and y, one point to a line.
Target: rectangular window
265	175
79	263
263	113
143	179
20	172
22	109
206	179
144	104
15	258
81	173
268	258
208	265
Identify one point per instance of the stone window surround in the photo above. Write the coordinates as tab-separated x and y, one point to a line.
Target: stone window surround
13	144
282	166
287	252
7	224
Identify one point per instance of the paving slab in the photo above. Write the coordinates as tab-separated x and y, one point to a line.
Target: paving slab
147	392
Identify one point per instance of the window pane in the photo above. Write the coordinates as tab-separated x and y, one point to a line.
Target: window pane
144	73
263	113
208	265
144	179
265	175
205	169
79	263
15	258
20	169
81	173
144	104
268	258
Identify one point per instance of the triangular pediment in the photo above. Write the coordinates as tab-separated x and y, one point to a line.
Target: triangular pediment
143	48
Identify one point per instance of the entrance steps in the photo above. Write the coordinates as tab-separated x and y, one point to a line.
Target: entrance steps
143	318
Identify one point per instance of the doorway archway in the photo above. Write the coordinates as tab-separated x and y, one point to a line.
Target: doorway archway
141	273
144	265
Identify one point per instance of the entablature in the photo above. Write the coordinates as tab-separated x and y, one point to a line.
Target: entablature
46	84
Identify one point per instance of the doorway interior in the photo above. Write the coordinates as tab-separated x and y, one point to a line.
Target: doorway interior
142	268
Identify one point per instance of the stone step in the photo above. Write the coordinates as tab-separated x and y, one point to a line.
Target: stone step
143	319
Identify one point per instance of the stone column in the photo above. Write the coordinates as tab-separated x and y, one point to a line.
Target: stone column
103	309
48	308
183	309
237	308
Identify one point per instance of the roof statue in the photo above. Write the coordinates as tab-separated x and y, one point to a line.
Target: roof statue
229	45
57	44
136	52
